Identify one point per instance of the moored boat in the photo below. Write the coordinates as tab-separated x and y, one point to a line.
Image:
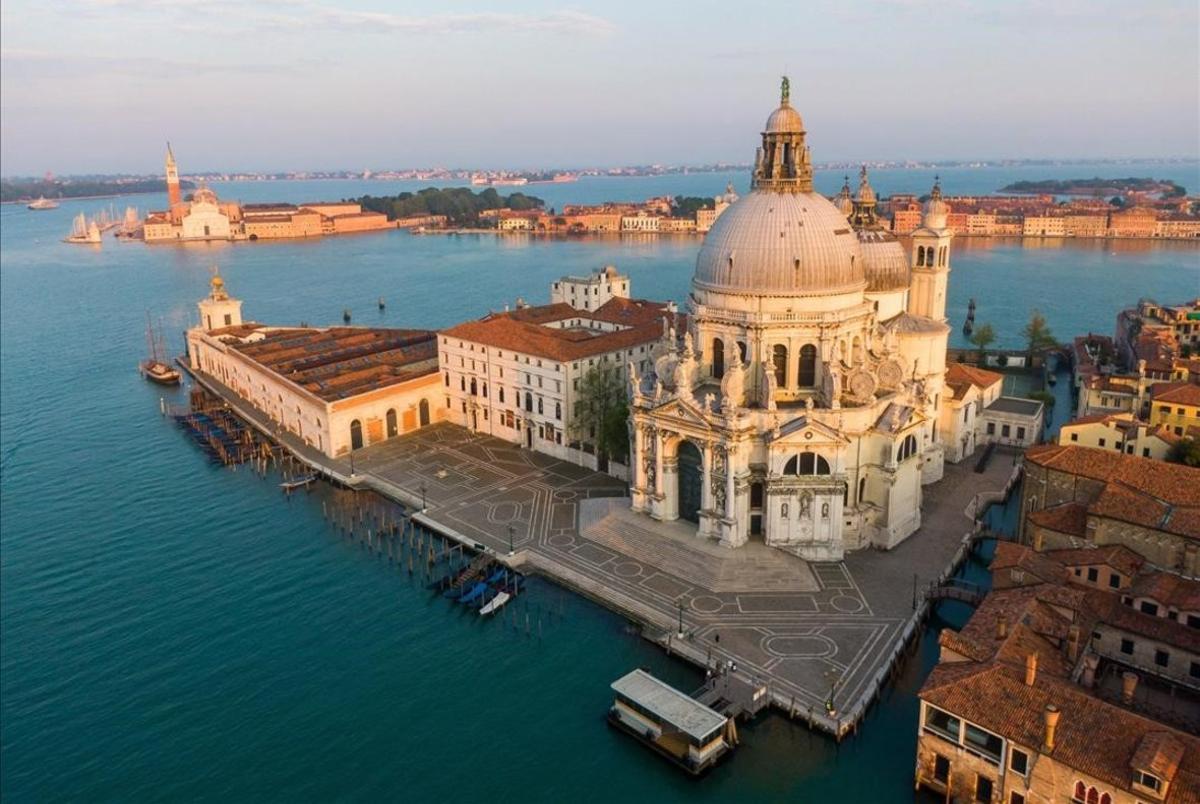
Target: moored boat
159	372
493	605
155	368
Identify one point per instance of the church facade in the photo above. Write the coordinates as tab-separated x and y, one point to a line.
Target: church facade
800	406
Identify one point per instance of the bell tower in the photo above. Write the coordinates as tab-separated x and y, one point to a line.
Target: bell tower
783	164
931	259
218	309
173	195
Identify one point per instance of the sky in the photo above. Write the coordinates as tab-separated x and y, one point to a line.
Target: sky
99	85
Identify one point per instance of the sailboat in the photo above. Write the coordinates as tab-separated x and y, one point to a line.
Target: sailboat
84	231
155	368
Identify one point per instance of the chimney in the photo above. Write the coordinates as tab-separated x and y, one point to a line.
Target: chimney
1129	682
1052	715
1030	669
1073	643
1090	663
1001	628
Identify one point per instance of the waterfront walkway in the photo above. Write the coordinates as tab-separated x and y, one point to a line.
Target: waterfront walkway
807	629
813	632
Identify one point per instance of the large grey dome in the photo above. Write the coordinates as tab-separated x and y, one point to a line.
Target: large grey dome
884	261
785	243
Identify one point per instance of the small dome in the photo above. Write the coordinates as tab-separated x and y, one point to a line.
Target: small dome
884	262
780	243
866	193
204	195
935	208
784	120
843	201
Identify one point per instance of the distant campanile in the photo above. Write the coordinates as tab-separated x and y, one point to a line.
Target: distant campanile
173	195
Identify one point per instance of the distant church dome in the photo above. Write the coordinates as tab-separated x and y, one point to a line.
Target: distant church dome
866	193
885	263
203	195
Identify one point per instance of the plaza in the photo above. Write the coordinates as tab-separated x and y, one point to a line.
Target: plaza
806	629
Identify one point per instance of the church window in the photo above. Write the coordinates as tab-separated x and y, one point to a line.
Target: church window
920	256
808	366
779	358
718	358
806	463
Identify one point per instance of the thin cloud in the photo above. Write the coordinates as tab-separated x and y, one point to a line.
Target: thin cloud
48	64
302	15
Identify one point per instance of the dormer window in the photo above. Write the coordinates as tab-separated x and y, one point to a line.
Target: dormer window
1147	780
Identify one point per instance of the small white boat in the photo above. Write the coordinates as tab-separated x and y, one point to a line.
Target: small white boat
495	603
42	203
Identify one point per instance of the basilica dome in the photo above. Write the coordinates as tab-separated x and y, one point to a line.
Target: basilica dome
884	261
780	243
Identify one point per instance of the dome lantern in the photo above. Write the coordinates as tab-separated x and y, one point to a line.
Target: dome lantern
782	163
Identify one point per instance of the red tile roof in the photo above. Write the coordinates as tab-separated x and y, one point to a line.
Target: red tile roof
1069	518
524	330
1180	393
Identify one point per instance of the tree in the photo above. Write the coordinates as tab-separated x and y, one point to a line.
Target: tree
686	206
1038	336
983	337
1185	451
601	412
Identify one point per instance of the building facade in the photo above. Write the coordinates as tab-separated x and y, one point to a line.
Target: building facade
338	389
800	405
523	374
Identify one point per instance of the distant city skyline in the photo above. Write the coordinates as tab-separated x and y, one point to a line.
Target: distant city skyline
97	86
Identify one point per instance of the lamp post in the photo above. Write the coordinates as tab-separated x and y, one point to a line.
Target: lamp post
681	619
510	539
423	496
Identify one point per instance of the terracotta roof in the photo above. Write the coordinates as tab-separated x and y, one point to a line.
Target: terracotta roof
1042	568
1069	518
1107	608
961	373
1143	491
1117	556
1170	590
523	330
1180	393
1094	737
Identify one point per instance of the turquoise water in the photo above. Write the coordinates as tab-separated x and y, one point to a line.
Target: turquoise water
170	631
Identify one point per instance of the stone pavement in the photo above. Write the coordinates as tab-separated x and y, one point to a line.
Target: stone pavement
807	629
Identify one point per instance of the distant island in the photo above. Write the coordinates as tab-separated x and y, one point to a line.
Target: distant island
29	189
460	205
1097	187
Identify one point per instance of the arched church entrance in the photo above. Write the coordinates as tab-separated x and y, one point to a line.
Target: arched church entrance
691	479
